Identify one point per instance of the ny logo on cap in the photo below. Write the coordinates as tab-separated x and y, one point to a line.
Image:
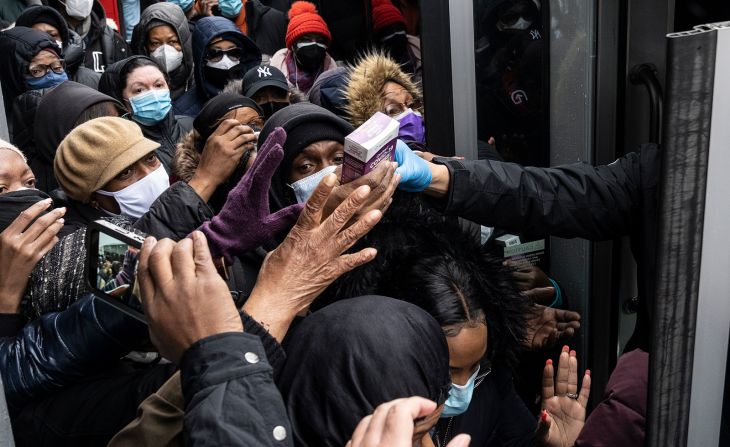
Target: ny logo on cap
264	72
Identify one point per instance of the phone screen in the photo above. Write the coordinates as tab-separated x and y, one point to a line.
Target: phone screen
116	271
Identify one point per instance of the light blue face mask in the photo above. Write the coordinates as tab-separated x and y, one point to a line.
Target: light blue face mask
304	188
51	79
151	107
230	8
459	397
183	4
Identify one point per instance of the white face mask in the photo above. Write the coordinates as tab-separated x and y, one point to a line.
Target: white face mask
79	9
137	198
223	64
167	57
304	188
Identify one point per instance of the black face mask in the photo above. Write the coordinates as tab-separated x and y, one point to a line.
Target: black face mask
310	58
14	203
219	77
397	47
270	108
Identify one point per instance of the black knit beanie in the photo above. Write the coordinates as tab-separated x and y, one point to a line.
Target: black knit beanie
305	123
215	109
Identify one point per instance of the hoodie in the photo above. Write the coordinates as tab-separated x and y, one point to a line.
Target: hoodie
18	46
72	98
73	46
181	79
207	29
167	132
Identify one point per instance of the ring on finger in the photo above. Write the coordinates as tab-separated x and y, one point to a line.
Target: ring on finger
572	395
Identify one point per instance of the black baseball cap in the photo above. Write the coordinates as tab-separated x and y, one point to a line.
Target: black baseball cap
263	76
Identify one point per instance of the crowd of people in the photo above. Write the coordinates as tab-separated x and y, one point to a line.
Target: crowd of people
282	306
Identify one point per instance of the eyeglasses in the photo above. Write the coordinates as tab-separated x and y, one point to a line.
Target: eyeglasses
215	55
393	109
40	70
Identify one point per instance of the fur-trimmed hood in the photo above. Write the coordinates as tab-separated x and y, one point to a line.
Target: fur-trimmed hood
186	157
366	82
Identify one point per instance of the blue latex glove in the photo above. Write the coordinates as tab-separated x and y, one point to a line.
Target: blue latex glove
415	175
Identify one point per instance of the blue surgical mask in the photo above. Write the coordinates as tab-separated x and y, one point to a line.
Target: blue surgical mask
411	127
183	4
151	107
230	8
304	188
51	79
459	397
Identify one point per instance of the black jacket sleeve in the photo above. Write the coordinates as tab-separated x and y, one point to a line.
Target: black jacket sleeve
576	200
230	396
61	348
175	214
11	324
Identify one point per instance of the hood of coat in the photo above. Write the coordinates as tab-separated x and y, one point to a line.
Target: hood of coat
209	28
187	156
110	82
73	46
18	46
70	97
367	78
173	16
45	14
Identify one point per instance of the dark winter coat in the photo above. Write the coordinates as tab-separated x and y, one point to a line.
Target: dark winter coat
181	79
73	46
620	419
64	347
207	29
266	26
577	200
167	132
18	46
230	396
104	45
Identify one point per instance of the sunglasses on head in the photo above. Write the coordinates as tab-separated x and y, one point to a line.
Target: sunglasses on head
215	55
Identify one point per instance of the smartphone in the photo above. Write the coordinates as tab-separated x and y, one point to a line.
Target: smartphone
111	266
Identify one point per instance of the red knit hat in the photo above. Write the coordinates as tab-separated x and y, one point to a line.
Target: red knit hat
303	19
385	14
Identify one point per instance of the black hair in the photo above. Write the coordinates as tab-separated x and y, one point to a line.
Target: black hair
97	111
132	65
430	261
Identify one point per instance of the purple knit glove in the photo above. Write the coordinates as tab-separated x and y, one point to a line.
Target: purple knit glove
245	221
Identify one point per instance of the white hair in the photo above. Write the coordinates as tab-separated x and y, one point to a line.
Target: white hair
5	145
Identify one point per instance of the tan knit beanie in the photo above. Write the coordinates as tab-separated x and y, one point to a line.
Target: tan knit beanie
95	152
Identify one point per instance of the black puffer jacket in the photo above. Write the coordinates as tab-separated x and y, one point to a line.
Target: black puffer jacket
64	347
73	46
167	132
181	79
18	46
577	200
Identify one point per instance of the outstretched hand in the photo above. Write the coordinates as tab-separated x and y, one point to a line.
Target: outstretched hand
310	258
246	222
547	325
184	297
563	409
